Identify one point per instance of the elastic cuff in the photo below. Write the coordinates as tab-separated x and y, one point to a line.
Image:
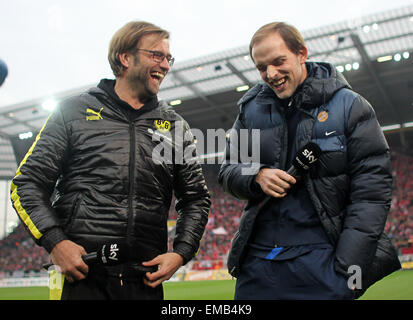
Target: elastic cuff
253	186
185	251
51	238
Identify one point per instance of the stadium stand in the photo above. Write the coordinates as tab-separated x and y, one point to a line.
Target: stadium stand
20	256
346	44
399	223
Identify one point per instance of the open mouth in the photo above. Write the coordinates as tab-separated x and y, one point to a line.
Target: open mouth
278	84
157	76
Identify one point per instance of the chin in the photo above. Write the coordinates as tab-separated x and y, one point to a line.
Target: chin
283	95
152	91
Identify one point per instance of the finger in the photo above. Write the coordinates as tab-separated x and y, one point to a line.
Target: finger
152	276
279	195
83	268
282	182
76	275
277	189
69	278
154	284
77	271
152	262
287	178
82	251
275	194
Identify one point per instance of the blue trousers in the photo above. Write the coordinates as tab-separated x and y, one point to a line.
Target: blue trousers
307	277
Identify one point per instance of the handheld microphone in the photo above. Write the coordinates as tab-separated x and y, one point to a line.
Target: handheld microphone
304	159
110	254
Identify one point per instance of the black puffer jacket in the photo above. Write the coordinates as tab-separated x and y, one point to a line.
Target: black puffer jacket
350	187
108	186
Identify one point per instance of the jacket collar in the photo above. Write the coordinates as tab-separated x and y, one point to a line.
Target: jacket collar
154	109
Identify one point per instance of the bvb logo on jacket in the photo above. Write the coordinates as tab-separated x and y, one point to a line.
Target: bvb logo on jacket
174	146
162	125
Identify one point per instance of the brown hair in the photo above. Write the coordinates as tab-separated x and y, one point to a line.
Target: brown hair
291	36
126	39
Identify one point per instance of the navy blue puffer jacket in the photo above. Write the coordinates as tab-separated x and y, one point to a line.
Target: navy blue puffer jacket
351	185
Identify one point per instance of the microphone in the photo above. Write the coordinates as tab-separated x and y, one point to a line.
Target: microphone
110	254
304	159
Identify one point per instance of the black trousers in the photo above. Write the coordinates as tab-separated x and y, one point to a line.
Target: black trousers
103	287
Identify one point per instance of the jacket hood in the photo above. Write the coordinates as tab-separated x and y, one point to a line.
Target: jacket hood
322	82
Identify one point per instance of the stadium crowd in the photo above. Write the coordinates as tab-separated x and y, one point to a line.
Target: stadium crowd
399	225
18	251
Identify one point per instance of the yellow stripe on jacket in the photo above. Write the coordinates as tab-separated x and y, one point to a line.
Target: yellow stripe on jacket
16	198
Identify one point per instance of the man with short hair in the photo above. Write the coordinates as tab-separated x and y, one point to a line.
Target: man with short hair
95	151
299	236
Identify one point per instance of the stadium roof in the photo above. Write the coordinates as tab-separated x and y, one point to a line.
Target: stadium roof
375	54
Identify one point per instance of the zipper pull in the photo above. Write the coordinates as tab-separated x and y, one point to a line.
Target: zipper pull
120	278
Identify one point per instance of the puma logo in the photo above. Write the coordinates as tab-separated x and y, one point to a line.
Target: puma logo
96	115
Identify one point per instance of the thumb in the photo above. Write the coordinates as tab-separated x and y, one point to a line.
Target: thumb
152	262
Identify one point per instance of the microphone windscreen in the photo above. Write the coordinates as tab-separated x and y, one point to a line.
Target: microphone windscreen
306	157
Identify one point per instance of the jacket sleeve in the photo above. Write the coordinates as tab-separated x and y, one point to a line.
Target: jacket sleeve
369	168
192	201
33	185
236	175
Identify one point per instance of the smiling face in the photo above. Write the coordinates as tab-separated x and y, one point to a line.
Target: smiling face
279	67
145	75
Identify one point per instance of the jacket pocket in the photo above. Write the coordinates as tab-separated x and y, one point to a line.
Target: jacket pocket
384	263
333	160
332	144
74	212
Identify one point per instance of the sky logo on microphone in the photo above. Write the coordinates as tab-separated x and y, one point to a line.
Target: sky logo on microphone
310	156
113	252
110	253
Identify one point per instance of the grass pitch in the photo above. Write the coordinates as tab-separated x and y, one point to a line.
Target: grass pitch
397	286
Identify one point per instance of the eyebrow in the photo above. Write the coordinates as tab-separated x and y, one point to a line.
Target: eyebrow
274	61
168	55
278	59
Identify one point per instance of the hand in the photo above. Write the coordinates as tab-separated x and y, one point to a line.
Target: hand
274	182
167	263
68	256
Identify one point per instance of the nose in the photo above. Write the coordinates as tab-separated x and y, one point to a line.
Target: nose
271	72
165	65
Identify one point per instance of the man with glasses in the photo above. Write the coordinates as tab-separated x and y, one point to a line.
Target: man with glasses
95	155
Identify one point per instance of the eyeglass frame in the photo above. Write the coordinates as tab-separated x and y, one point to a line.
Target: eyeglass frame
158	56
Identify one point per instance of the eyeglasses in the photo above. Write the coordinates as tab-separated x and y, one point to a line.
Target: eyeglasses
158	56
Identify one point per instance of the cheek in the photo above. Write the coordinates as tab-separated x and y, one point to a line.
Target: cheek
263	75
